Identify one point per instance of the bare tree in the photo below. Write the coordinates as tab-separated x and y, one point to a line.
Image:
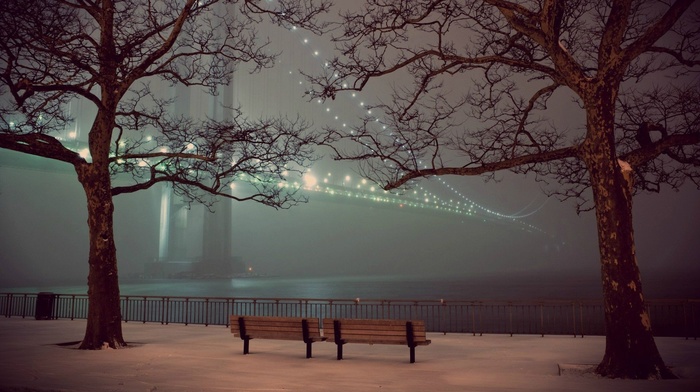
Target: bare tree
485	75
114	54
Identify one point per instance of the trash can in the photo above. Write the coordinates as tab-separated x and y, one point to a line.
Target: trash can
44	306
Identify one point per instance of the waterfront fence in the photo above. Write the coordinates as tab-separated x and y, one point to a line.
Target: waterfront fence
679	318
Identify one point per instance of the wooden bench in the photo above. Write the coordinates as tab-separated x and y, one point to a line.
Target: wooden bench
408	332
280	328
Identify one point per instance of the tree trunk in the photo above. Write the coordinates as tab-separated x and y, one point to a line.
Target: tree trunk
630	350
104	312
104	326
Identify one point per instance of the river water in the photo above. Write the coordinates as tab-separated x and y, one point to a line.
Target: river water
529	286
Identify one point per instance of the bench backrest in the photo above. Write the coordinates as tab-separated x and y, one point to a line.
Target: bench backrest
373	331
285	328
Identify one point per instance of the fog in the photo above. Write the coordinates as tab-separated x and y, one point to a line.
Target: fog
44	234
43	230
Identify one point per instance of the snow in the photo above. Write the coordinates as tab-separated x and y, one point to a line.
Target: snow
624	166
198	358
562	47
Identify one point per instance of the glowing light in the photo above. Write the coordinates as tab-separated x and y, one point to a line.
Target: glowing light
310	180
71	134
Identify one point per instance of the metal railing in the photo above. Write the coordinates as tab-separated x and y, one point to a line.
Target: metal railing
680	318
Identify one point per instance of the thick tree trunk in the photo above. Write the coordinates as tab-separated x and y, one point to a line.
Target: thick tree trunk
104	313
630	350
104	326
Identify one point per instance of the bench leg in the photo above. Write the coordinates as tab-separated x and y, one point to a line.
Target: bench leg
308	350
413	354
246	345
340	350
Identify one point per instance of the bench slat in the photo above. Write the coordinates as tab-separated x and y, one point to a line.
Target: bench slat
376	331
252	328
279	336
279	328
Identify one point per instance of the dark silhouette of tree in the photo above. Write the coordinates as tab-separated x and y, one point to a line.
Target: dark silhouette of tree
485	75
115	54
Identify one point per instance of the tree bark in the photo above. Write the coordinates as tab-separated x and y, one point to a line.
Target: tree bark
630	350
104	311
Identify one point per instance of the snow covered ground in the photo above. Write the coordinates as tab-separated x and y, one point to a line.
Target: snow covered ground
198	358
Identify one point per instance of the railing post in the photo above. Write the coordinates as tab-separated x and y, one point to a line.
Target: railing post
187	311
441	314
56	306
692	322
573	314
581	317
24	305
145	306
206	312
510	317
228	310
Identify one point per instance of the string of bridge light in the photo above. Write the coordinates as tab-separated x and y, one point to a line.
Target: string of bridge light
517	215
465	206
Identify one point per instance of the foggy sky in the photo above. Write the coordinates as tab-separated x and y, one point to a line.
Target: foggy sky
43	230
